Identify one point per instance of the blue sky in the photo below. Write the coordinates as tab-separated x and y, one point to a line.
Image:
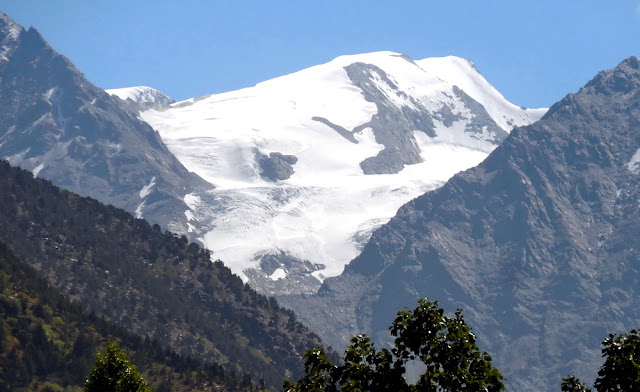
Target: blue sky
534	52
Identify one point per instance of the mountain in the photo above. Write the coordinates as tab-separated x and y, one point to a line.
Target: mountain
307	165
142	97
48	341
538	244
149	282
54	122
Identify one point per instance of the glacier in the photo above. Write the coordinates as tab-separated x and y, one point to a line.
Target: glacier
435	117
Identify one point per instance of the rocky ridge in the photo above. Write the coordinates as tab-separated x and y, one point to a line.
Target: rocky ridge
54	122
538	244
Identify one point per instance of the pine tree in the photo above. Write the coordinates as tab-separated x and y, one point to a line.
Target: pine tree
113	372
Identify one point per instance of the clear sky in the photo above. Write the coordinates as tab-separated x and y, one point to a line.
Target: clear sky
534	52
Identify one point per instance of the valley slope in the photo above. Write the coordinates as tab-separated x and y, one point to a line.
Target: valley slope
149	282
48	342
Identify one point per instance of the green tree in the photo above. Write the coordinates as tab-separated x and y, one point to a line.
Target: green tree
572	384
621	369
445	345
113	372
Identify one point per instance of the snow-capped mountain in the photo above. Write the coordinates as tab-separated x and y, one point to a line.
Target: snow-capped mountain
307	165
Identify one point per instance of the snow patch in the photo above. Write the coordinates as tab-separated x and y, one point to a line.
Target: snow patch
38	169
147	188
456	134
114	149
139	210
634	163
16	159
10	34
278	274
4	53
53	97
192	200
14	31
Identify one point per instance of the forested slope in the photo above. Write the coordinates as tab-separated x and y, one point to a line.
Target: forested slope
48	341
147	281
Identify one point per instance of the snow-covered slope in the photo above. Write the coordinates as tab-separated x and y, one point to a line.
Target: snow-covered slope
463	74
307	165
143	97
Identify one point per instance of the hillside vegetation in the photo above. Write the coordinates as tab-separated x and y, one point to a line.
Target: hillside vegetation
149	282
49	343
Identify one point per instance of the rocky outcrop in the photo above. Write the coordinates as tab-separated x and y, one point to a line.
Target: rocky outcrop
393	125
276	166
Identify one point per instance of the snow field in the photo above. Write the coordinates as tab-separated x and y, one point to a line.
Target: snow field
326	211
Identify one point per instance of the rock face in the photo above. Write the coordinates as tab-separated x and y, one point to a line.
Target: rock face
539	244
58	125
276	166
392	125
307	165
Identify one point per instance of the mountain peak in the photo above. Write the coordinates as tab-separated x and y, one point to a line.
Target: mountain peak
8	27
632	61
463	73
58	124
624	78
9	33
619	84
144	97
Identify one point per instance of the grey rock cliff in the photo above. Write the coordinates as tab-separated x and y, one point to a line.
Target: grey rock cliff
539	244
54	122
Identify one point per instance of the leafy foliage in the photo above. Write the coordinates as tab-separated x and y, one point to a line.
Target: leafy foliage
572	384
113	372
445	345
621	369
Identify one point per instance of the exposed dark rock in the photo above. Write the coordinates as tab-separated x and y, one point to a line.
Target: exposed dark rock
393	126
341	130
276	166
282	273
